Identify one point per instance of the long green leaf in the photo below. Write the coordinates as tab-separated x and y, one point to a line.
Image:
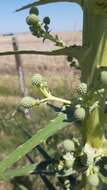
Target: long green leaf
36	139
18	172
43	2
76	51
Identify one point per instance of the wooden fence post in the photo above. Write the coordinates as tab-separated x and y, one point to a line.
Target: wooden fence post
20	69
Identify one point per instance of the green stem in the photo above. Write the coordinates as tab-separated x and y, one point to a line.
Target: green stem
53	39
19	172
95	39
53	98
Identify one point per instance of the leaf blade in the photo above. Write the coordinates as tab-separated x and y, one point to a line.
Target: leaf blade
19	172
37	3
36	139
43	2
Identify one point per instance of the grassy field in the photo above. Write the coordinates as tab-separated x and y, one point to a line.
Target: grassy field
62	81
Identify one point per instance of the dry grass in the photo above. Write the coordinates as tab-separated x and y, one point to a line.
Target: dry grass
55	69
35	62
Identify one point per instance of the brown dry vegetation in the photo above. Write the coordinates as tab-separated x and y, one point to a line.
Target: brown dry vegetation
35	62
54	68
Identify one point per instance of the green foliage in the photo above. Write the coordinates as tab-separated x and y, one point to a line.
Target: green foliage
40	2
36	139
19	172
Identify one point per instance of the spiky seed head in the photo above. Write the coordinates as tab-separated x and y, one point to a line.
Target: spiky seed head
34	10
32	19
82	89
69	160
104	77
28	102
93	180
79	113
46	20
37	80
68	145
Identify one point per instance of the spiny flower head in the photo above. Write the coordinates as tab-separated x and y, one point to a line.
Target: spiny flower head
79	112
82	89
34	10
37	80
28	102
69	145
32	19
46	20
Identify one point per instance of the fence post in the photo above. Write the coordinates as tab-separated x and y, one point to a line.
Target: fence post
20	69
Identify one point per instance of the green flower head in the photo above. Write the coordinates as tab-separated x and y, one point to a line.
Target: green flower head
34	10
28	102
82	89
37	80
32	19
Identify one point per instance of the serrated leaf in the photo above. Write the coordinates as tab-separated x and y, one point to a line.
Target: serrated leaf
19	172
42	135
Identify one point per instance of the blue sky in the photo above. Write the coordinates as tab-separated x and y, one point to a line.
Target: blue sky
64	16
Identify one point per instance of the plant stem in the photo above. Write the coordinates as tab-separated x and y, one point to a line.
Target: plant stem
95	39
53	98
